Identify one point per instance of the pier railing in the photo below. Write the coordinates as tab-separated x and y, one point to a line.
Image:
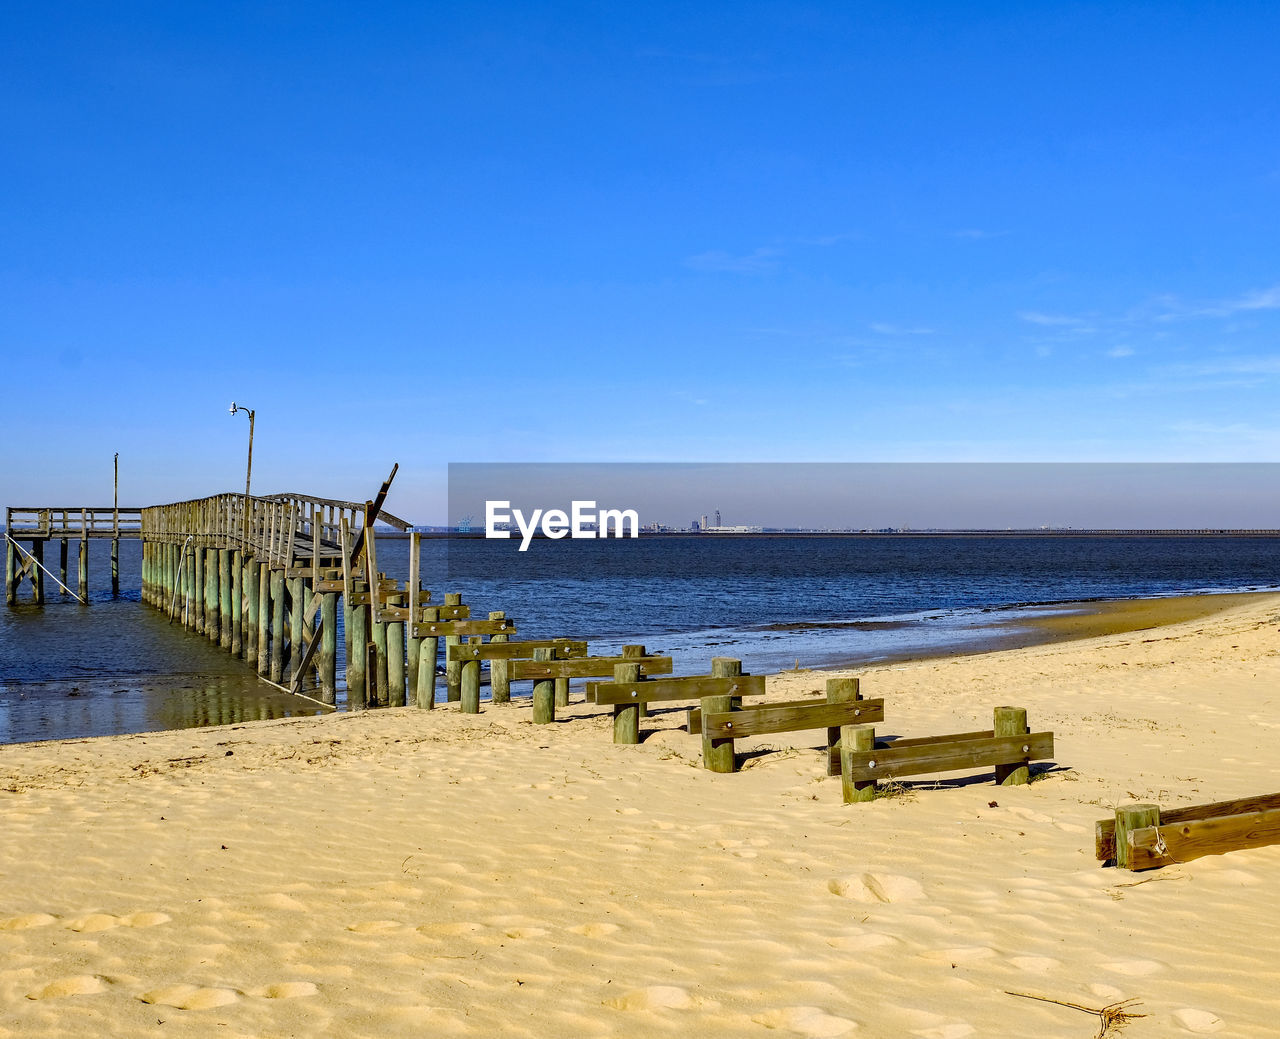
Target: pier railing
282	530
73	523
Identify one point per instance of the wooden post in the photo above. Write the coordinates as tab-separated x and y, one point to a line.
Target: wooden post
544	692
197	590
395	656
82	571
37	575
329	648
469	681
224	598
358	658
1128	818
717	755
839	690
1011	721
852	739
264	618
62	562
626	716
211	594
277	626
499	680
379	680
237	603
10	573
297	611
189	593
413	644
452	668
115	566
251	618
425	695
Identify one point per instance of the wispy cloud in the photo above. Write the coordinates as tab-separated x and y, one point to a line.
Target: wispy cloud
757	261
1120	351
886	328
1037	317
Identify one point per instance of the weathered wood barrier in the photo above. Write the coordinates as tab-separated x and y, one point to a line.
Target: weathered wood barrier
1009	747
499	655
1141	836
628	697
546	671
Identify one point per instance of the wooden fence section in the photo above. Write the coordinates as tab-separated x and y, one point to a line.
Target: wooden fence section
1142	837
1009	747
720	726
59	522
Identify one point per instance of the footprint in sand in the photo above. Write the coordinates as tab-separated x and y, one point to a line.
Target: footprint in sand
94	922
376	927
1200	1021
286	990
1035	964
189	997
655	997
145	919
595	930
877	887
813	1021
76	985
26	920
1135	968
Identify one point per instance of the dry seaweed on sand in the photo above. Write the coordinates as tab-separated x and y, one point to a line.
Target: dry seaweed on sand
1111	1018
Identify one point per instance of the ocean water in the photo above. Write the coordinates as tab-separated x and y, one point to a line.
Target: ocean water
116	666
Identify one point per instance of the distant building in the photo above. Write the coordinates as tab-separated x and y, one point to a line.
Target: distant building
717	523
705	523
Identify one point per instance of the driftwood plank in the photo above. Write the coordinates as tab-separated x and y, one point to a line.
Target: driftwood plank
889	762
692	688
757	721
517	650
1155	846
586	667
1105	829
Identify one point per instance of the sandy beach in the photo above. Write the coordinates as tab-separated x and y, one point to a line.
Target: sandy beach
413	873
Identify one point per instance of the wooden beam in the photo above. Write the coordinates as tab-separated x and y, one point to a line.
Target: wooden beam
585	667
1105	829
692	687
1154	846
517	650
759	721
891	761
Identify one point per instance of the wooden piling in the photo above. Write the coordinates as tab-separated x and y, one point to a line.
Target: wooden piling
499	680
425	688
839	690
297	614
251	612
277	626
469	681
544	692
62	561
717	755
224	598
37	575
211	578
1128	818
10	574
237	603
626	716
1011	721
197	590
854	739
264	618
452	668
395	657
357	658
328	653
379	678
115	566
189	592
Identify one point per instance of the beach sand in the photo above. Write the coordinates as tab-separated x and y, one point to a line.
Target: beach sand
432	874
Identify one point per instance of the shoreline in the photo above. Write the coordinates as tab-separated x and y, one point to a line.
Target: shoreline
402	872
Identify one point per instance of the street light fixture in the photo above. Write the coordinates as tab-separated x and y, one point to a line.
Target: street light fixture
248	469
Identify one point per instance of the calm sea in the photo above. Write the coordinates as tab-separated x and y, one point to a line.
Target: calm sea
117	666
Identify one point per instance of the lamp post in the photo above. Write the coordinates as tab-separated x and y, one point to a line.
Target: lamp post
248	469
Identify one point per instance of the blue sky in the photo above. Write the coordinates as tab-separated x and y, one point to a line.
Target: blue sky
602	232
